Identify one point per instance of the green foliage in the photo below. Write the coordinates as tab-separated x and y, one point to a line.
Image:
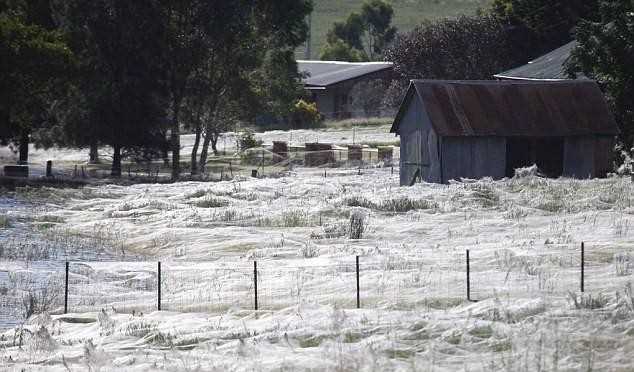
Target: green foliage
248	140
407	15
118	99
362	36
377	16
546	24
34	68
339	50
305	115
465	48
606	54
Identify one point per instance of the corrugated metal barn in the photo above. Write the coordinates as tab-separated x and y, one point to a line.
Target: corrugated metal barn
474	129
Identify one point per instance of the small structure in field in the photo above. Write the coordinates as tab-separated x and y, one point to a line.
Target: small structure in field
318	154
355	153
474	129
280	151
386	154
16	171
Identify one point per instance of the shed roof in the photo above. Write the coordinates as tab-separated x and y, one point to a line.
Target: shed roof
511	108
550	66
325	73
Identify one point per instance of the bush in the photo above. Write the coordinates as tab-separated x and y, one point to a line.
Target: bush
211	202
248	140
305	115
4	221
357	225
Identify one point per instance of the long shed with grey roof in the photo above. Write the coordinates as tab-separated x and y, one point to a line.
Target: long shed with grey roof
330	83
474	129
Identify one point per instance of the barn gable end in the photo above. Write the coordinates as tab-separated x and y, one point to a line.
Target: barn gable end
490	128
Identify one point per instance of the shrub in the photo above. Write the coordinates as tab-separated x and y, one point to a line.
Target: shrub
305	115
622	263
211	202
357	225
4	222
248	140
588	301
405	204
308	250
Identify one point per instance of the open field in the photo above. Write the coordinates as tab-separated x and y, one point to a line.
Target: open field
407	15
524	236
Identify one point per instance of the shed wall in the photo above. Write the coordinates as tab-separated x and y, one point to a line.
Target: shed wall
473	157
587	156
419	145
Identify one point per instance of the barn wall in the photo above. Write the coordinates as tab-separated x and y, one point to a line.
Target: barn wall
587	156
419	145
325	100
473	157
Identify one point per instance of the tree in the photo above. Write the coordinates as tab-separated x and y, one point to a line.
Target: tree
377	18
469	48
605	52
118	99
339	50
250	66
34	63
543	24
362	36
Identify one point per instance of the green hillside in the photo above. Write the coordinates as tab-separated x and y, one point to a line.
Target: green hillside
407	15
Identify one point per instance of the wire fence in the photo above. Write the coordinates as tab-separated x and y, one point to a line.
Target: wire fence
440	280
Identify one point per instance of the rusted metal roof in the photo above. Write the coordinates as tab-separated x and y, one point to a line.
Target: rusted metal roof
511	108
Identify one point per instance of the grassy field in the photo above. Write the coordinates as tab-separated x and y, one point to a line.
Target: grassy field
407	15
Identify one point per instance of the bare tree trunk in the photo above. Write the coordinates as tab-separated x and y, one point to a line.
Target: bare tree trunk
175	142
214	141
194	167
24	147
116	161
203	154
94	153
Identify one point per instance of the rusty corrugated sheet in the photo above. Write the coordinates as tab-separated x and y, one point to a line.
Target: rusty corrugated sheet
514	108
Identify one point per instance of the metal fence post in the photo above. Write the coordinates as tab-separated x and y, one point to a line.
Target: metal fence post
468	279
159	285
583	258
358	294
66	290
49	168
255	283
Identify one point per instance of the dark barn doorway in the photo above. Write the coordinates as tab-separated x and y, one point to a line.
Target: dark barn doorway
547	153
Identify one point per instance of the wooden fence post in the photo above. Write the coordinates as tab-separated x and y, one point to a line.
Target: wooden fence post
66	290
159	285
358	286
255	283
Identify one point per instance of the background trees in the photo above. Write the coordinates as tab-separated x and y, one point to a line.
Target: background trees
118	98
361	37
606	53
463	48
543	25
34	66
